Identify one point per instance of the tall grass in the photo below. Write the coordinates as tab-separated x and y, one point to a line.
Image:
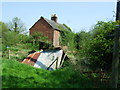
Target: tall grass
18	75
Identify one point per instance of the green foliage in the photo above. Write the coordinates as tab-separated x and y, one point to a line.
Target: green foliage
25	76
40	37
17	25
18	52
82	39
96	46
37	38
3	29
11	33
67	27
102	45
11	38
67	38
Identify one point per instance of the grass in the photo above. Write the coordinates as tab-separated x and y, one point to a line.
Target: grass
18	75
16	52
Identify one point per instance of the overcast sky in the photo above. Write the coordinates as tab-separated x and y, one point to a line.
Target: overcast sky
77	15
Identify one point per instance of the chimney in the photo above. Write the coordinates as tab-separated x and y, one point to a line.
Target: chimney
54	17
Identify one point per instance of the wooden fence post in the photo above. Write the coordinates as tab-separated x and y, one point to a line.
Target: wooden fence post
63	59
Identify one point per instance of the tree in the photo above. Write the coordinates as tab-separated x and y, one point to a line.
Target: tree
9	37
97	45
103	44
81	39
3	31
17	25
37	38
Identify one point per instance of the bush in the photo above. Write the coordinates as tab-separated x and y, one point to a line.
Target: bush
97	45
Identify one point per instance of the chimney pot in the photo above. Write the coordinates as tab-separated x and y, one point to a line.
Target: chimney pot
54	17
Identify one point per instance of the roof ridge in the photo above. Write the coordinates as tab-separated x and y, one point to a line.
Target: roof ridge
51	21
54	25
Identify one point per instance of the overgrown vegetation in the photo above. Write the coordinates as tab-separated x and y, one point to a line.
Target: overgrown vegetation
39	41
96	46
67	38
89	52
19	75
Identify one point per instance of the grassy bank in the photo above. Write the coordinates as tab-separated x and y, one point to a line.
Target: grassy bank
17	75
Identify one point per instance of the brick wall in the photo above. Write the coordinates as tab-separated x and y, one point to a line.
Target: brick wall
43	27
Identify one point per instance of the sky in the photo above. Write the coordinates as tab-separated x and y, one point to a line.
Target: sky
77	15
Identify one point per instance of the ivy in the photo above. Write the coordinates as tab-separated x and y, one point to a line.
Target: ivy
67	38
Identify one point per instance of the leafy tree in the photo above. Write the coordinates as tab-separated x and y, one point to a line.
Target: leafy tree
98	47
37	38
9	37
3	31
17	25
82	38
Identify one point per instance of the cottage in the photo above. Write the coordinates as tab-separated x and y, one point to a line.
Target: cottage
50	28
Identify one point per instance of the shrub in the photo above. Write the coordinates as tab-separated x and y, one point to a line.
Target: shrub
97	46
